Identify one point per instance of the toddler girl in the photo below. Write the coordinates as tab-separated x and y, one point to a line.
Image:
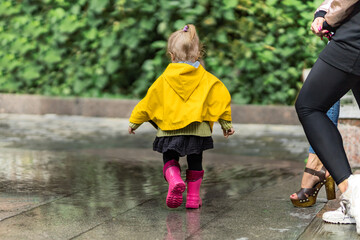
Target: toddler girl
183	103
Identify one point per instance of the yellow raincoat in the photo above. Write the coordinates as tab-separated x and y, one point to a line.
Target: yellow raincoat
181	95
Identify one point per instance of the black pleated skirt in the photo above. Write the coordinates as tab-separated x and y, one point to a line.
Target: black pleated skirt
184	144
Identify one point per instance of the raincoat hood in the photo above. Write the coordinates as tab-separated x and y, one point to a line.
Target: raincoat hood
181	95
183	78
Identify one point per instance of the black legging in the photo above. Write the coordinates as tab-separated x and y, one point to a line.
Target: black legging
194	160
324	86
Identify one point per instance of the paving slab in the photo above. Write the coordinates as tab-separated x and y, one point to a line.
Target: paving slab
67	177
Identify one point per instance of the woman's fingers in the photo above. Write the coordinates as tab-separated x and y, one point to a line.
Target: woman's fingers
316	26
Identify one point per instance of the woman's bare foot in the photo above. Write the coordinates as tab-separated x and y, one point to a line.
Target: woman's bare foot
309	180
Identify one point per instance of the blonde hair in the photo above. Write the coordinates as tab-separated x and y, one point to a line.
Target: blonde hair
184	45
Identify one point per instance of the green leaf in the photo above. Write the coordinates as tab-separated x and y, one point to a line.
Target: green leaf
179	24
31	73
98	5
52	56
70	24
111	66
159	44
222	38
271	2
91	34
230	3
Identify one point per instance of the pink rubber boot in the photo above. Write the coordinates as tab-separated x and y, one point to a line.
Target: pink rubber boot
176	184
193	179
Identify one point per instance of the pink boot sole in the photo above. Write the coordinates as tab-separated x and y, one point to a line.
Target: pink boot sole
174	198
177	186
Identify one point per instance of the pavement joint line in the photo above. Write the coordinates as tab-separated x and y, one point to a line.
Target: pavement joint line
108	220
142	203
228	209
43	204
314	219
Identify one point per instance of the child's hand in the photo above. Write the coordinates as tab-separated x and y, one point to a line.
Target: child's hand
131	130
228	132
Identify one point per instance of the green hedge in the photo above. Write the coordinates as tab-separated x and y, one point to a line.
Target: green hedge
116	48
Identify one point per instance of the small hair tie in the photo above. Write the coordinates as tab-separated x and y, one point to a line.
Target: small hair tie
186	28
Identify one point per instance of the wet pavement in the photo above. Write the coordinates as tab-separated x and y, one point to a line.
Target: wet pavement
86	178
319	230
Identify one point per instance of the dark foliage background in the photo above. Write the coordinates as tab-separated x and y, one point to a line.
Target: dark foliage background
116	48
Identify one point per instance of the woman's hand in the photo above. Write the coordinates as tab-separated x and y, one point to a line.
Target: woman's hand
316	27
228	132
131	130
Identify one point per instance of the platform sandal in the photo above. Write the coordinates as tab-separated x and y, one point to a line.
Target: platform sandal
307	196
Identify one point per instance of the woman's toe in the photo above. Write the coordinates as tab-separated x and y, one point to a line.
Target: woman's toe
293	196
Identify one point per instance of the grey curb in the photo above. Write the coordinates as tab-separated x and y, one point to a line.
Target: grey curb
116	108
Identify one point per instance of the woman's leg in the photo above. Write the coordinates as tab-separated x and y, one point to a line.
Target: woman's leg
324	86
333	115
313	161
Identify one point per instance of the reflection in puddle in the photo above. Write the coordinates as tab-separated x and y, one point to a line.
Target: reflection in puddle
63	173
69	177
174	226
193	222
175	222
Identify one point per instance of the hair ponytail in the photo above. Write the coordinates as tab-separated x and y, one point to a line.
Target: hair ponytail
184	45
192	31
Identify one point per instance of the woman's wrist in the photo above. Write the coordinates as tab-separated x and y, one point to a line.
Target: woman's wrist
325	25
320	13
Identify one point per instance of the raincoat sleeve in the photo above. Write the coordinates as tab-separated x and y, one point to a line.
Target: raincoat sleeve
226	103
142	111
139	115
219	101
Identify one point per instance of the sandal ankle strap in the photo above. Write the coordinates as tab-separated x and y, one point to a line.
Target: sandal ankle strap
320	174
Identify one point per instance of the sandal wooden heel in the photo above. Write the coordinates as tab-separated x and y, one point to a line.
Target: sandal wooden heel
330	188
307	196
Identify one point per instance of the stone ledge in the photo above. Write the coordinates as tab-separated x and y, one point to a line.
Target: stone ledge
39	105
349	112
116	108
